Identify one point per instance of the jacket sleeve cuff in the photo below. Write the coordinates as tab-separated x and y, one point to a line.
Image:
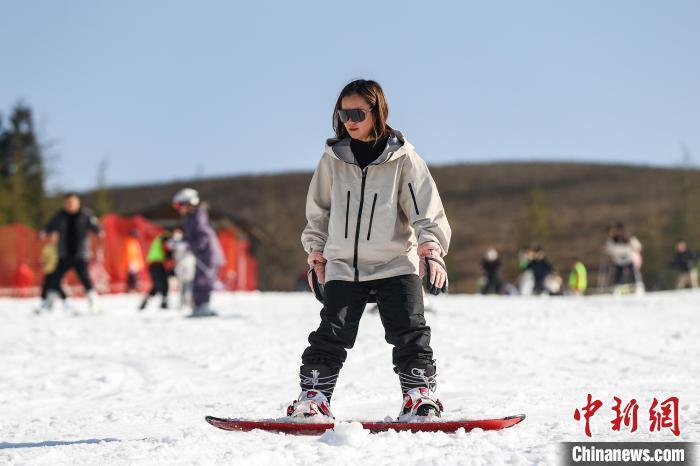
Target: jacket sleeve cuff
313	247
426	237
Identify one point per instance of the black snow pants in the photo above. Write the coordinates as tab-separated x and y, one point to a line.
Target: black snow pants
493	281
400	304
48	284
624	274
159	277
64	265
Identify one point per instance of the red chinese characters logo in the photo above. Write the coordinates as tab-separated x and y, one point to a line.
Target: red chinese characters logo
666	417
662	415
626	416
588	411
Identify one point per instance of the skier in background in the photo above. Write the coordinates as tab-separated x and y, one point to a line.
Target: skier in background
490	265
49	261
72	224
158	258
625	252
375	225
540	268
684	262
185	266
526	280
134	260
578	278
205	246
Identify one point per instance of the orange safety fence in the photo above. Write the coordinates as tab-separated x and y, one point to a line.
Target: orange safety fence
115	262
21	271
240	271
19	259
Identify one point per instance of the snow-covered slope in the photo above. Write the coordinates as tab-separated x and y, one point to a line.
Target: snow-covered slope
126	387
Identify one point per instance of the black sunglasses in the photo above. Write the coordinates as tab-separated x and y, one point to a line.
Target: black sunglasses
354	114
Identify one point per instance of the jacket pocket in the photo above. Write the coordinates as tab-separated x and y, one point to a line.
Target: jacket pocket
371	216
413	196
347	214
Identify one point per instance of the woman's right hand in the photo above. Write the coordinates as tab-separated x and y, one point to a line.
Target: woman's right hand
317	262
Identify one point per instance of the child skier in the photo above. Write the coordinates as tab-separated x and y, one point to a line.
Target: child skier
134	260
49	261
205	246
185	266
375	223
578	278
159	255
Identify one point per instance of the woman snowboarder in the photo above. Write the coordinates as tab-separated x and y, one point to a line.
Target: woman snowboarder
375	224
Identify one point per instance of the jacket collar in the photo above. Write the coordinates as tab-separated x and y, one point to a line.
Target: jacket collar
396	147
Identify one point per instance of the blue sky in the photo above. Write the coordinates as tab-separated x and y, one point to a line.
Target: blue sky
170	90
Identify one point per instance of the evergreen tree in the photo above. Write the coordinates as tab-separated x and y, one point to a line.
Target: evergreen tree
21	170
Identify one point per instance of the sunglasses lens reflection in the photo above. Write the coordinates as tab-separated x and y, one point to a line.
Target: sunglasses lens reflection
354	114
357	115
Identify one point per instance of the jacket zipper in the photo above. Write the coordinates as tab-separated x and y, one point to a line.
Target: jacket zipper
359	220
347	213
371	216
415	205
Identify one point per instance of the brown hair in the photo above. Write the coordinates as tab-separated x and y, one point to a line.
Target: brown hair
372	92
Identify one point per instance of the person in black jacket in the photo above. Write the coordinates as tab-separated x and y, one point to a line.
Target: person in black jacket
541	268
684	261
73	224
490	266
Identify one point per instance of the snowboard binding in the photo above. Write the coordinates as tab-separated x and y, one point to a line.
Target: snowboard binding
420	402
311	403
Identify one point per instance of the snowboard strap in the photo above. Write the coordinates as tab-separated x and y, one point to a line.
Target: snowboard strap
314	381
419	377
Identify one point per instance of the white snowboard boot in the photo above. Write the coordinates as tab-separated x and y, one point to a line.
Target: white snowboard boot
311	403
418	386
420	402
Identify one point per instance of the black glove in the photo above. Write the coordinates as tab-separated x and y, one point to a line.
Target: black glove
431	286
316	287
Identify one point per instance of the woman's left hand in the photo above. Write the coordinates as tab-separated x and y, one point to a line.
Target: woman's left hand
432	265
317	273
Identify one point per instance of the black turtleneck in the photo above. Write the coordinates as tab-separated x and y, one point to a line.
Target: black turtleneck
367	152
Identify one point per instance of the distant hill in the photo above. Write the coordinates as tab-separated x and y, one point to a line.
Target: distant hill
563	206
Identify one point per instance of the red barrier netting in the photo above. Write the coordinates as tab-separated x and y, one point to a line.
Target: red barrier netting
115	263
19	259
21	271
240	271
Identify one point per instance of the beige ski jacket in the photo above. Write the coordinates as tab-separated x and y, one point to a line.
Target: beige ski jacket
369	222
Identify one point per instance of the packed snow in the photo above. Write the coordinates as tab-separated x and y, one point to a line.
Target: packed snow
129	387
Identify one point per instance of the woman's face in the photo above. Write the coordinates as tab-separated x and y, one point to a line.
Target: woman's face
361	130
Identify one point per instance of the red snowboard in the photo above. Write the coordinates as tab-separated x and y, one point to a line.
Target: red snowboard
305	428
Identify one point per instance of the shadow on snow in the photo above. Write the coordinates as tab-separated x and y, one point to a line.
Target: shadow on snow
55	443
